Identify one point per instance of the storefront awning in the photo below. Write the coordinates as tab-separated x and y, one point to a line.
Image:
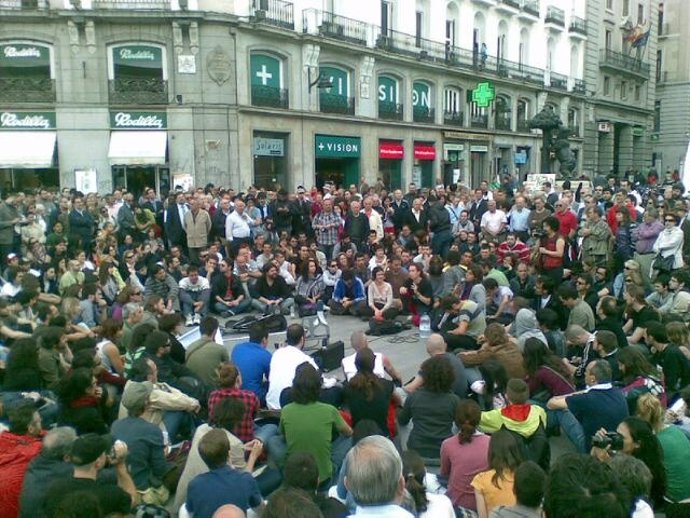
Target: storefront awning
27	149
137	147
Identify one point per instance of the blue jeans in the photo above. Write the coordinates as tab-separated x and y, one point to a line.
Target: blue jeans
48	411
264	432
284	306
242	307
175	420
188	298
570	426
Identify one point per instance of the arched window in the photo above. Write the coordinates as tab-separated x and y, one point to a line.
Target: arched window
453	106
479	47
422	102
336	99
550	53
575	61
523	51
452	20
138	74
504	113
501	43
267	81
26	72
574	121
390	106
524	114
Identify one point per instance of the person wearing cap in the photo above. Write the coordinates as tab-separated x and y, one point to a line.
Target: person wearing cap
145	442
89	455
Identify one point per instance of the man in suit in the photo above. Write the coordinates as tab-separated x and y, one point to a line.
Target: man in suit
125	216
416	217
154	205
174	222
81	224
478	207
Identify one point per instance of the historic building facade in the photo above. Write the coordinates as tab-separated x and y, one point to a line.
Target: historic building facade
672	106
105	93
619	73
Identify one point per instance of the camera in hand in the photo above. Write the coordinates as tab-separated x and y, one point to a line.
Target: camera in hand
612	440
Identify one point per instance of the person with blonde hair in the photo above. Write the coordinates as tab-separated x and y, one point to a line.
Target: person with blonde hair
676	447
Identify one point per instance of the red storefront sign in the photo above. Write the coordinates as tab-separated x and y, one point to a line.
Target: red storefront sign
424	152
391	150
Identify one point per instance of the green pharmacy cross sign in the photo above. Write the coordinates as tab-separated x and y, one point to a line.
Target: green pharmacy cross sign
484	94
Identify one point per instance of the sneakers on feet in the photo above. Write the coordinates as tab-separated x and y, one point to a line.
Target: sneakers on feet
196	319
188	321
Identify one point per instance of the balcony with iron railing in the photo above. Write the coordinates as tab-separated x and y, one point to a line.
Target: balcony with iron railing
138	5
278	13
334	26
479	121
559	81
509	7
555	17
424	114
390	111
24	5
578	26
452	118
138	91
503	122
330	103
579	86
623	63
25	89
270	97
530	8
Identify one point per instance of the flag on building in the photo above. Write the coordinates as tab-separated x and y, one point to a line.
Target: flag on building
641	40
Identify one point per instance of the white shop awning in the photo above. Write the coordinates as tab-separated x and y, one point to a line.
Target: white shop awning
137	147
27	149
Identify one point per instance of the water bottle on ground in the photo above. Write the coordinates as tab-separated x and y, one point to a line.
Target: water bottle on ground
424	326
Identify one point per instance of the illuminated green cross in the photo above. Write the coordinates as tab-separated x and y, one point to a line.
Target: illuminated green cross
483	94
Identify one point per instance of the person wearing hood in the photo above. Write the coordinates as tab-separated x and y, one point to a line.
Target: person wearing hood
518	416
526	326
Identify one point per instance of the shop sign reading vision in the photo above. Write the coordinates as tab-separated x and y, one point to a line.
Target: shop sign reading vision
16	121
330	146
123	120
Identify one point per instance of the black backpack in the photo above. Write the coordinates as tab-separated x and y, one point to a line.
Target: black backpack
272	323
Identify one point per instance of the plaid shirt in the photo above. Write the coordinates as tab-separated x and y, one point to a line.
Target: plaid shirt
245	429
328	236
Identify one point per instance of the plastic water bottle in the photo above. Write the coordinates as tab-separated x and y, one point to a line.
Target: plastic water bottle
424	326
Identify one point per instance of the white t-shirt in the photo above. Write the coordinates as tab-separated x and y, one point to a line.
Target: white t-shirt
492	222
284	363
440	506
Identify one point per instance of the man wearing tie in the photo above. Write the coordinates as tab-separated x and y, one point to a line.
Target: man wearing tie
237	228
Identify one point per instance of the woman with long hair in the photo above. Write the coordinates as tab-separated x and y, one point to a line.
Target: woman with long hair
679	334
109	281
640	442
546	374
676	447
310	287
494	487
426	504
380	296
432	407
473	289
366	395
624	247
108	350
639	377
417	293
465	455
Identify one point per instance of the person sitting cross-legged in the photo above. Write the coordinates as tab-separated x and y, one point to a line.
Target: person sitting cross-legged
195	294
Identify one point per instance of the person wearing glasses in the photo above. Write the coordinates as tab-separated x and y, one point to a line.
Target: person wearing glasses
669	246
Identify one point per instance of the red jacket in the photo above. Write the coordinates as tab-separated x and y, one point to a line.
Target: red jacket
16	451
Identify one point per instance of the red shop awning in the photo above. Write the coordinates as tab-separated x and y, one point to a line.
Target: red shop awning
391	150
424	152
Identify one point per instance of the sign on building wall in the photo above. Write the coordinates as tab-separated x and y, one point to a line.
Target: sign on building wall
333	146
265	70
126	120
141	56
24	54
388	90
33	121
269	146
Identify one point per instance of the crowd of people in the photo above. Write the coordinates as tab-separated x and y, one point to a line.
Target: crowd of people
555	311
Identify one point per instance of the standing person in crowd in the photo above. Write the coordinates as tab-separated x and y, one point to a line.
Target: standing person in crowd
237	228
197	222
326	225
